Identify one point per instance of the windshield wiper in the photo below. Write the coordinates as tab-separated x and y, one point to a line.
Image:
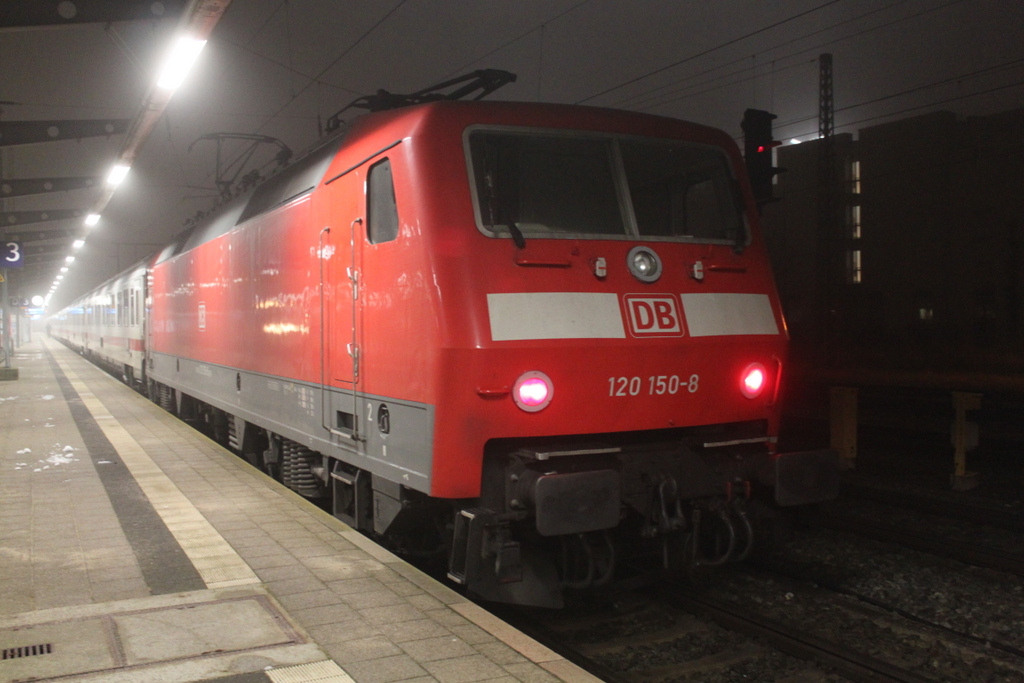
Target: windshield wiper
517	235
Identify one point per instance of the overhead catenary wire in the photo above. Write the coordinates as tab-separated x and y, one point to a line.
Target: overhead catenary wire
927	105
344	53
650	99
638	100
654	97
702	53
512	41
316	79
657	96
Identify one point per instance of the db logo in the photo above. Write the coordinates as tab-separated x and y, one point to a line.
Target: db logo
655	315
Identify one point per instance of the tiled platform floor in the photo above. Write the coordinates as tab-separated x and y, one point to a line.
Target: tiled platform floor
122	526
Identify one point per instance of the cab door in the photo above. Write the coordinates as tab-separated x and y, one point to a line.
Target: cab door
339	248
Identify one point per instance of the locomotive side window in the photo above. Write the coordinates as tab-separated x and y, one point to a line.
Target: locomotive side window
546	184
381	208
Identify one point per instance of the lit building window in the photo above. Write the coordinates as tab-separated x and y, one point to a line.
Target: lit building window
853	266
853	255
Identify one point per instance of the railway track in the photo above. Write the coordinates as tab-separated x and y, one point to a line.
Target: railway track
851	664
980	533
950	506
669	633
789	572
843	608
924	540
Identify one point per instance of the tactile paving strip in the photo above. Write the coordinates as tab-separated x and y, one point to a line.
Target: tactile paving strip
326	671
216	561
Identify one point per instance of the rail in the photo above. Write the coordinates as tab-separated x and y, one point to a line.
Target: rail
857	666
916	539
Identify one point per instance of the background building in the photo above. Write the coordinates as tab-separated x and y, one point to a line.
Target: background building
917	264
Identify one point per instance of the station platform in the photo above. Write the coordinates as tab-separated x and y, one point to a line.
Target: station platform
134	550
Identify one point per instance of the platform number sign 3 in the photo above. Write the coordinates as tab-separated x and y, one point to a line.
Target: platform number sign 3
11	255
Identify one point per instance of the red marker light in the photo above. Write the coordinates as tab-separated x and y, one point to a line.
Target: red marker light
753	380
533	391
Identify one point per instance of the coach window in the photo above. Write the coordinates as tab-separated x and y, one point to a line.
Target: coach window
381	208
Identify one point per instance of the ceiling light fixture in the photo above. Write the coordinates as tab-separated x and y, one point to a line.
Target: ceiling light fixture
117	174
178	62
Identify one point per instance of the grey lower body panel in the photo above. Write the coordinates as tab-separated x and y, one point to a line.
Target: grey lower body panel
116	357
388	437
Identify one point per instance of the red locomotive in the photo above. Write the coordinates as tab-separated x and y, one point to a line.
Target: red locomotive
530	335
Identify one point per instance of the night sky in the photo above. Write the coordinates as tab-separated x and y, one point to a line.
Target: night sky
281	67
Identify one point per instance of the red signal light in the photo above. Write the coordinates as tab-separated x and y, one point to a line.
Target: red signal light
753	380
533	391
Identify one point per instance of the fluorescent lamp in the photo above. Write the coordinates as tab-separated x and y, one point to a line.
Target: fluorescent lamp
94	218
178	62
77	244
70	259
117	174
63	269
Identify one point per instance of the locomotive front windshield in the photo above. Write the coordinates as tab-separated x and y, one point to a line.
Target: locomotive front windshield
562	185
